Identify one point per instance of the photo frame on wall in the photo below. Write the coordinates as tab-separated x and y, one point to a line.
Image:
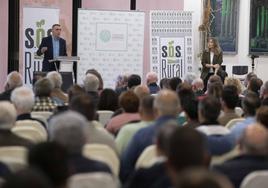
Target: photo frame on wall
258	41
224	19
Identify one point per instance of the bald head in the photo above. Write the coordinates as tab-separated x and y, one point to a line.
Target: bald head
167	103
254	140
151	77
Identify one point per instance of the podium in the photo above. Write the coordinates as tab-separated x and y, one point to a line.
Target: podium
66	63
65	69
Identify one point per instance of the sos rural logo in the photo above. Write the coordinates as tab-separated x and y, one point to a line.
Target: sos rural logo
172	57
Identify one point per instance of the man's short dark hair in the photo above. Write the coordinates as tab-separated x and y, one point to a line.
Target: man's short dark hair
174	82
190	107
84	105
187	148
250	103
230	96
133	80
210	108
54	25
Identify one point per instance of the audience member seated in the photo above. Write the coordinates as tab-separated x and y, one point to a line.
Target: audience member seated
121	84
151	81
108	100
166	107
84	105
7	121
155	176
254	85
51	159
190	109
96	73
250	104
264	93
23	100
30	178
129	102
185	94
57	94
229	100
164	83
237	83
262	116
43	101
189	78
201	178
147	117
14	79
91	85
198	87
187	149
215	89
70	130
174	82
253	147
133	81
218	136
74	91
142	91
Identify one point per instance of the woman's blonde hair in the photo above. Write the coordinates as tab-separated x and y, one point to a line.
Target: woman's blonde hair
217	48
235	82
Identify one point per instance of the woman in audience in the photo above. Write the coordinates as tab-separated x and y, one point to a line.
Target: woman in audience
75	90
108	100
129	102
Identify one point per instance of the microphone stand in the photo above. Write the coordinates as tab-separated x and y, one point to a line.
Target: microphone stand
253	57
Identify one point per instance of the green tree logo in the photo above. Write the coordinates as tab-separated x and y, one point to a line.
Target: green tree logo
40	32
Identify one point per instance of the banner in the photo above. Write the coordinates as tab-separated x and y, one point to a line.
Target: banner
171	44
37	23
110	42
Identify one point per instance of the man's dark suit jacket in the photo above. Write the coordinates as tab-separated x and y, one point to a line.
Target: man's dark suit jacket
48	55
217	59
237	168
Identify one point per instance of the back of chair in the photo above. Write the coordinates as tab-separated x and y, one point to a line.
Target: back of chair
257	179
44	114
232	122
14	157
92	180
31	123
217	160
147	158
104	116
103	153
33	134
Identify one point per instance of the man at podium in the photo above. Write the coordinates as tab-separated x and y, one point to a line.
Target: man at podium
52	47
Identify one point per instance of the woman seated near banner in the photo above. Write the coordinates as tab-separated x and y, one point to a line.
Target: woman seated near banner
211	61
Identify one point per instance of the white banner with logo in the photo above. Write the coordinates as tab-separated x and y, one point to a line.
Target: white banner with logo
171	43
37	23
110	42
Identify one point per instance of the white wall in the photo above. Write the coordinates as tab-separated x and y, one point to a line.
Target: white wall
242	57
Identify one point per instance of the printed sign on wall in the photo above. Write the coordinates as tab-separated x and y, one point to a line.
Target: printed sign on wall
171	43
37	23
110	42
